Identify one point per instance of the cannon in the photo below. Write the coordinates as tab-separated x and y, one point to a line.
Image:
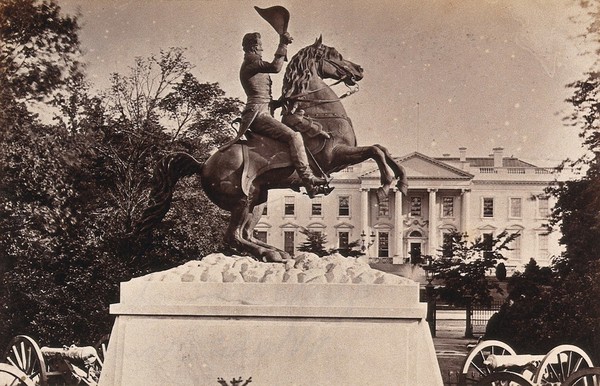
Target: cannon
585	377
45	366
495	363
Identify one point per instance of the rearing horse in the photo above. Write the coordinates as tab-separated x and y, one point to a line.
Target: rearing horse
238	178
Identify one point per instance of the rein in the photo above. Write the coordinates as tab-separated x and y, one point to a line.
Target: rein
300	97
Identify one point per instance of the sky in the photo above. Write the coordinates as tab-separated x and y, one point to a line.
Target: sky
439	74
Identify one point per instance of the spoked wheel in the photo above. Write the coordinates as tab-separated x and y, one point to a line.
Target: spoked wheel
12	376
504	378
473	369
585	377
24	354
559	364
101	348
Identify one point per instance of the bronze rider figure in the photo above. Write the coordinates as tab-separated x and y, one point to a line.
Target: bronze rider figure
257	115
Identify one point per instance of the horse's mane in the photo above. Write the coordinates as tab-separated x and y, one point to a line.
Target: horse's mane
298	73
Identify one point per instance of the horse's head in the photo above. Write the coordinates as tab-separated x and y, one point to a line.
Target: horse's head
331	64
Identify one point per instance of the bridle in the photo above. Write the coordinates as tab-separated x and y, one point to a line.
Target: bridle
300	97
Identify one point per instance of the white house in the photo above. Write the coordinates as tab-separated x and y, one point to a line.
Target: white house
480	196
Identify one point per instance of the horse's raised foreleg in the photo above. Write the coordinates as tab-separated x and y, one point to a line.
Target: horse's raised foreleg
236	234
399	171
351	155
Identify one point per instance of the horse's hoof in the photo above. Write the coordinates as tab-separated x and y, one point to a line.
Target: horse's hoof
382	195
403	187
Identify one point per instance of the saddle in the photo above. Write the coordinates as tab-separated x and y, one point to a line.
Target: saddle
262	154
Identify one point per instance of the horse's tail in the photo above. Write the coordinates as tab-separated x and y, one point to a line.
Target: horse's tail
166	174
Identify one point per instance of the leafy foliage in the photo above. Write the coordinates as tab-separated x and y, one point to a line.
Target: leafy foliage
73	188
463	269
314	243
501	271
39	46
353	249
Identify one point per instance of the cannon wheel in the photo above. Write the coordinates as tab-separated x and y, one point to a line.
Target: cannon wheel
20	378
585	377
24	354
473	368
504	378
560	363
101	347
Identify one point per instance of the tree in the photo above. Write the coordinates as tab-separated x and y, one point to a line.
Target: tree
353	249
314	243
72	188
501	272
464	265
39	46
564	308
45	241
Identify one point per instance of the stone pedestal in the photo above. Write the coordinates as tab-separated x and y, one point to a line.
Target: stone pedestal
305	334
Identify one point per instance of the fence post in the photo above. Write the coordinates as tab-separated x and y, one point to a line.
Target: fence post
469	314
431	308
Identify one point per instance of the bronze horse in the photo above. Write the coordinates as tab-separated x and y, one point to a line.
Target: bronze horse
238	178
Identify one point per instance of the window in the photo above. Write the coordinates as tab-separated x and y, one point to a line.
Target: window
265	212
289	206
515	204
343	240
344	205
415	206
447	206
514	252
448	244
488	243
288	242
260	235
316	207
383	242
383	209
543	208
488	207
543	246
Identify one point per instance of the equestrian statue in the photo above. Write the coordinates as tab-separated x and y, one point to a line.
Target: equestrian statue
314	138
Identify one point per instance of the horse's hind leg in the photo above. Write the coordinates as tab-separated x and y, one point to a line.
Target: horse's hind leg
399	171
237	230
250	225
351	155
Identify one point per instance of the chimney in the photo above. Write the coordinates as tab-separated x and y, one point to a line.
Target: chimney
463	154
498	156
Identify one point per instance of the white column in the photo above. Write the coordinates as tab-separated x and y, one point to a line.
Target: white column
432	223
364	210
465	211
398	227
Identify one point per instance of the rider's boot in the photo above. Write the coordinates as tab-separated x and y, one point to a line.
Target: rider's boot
298	156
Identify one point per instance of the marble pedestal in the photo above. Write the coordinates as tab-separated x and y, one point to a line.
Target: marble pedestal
193	333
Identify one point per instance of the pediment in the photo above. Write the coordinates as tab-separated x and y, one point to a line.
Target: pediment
420	166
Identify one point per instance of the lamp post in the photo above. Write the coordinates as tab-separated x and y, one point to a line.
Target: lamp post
430	293
365	244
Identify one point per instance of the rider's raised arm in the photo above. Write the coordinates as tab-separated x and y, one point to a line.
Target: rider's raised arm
280	56
277	64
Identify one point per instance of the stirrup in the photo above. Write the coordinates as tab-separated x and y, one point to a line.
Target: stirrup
319	189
